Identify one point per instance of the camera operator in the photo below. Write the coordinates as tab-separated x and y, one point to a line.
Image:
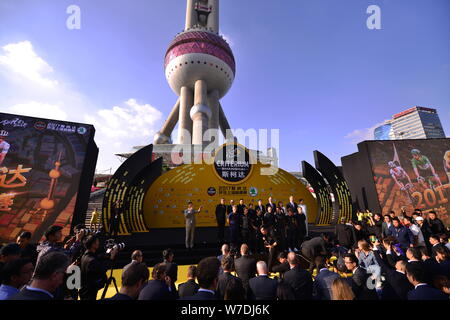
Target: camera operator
94	268
75	244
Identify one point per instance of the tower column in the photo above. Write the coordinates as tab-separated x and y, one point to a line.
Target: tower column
224	125
213	102
191	14
200	112
213	19
185	122
163	136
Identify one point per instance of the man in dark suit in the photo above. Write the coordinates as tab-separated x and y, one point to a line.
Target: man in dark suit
262	287
245	266
422	291
171	268
324	280
136	257
435	243
241	206
358	282
134	278
302	229
431	265
226	276
261	207
283	267
235	223
221	214
271	204
207	277
344	234
160	287
48	277
300	280
291	204
230	207
436	224
397	285
271	244
269	218
190	287
315	247
114	224
28	250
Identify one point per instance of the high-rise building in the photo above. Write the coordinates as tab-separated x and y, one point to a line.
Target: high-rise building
417	123
384	132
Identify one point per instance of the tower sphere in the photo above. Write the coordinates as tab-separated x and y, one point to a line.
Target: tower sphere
199	55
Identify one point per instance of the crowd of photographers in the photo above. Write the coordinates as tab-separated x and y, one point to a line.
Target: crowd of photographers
395	257
29	272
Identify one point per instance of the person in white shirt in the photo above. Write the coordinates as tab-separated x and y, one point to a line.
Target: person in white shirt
415	229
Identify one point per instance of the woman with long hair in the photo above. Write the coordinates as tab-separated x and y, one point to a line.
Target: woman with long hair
340	290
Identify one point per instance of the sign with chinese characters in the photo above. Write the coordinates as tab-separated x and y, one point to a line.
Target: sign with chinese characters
232	163
42	165
167	196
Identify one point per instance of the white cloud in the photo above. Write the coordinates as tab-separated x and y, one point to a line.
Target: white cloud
120	128
39	109
32	88
359	135
132	120
21	61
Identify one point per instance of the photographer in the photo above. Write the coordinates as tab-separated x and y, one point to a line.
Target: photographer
74	245
94	268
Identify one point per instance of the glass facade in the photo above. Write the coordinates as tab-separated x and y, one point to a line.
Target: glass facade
413	123
383	132
432	125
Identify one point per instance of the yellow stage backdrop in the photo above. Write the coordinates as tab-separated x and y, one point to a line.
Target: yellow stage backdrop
200	183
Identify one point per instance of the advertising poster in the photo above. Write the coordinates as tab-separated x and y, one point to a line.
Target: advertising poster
413	174
41	163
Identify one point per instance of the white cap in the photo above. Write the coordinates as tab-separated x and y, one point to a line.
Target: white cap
419	219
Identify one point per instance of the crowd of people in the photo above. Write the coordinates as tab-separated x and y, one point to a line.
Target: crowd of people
268	256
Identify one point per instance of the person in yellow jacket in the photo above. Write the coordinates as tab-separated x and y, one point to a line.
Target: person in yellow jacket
94	220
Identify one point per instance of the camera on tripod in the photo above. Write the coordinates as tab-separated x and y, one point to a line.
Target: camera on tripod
111	244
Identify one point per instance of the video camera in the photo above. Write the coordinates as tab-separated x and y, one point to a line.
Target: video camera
110	244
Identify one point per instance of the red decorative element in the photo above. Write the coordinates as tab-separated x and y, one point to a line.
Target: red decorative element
200	42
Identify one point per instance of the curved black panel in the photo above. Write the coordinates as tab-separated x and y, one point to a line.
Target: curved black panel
120	183
325	208
134	199
337	183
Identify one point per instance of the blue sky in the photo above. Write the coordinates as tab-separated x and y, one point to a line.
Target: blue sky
310	68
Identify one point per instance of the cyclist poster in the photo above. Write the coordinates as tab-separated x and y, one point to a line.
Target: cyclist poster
412	174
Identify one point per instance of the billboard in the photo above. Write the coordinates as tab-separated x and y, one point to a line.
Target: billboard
412	173
46	171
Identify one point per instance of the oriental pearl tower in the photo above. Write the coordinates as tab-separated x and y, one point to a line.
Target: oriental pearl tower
200	68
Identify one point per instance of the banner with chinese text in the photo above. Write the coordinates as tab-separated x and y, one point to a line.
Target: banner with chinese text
41	163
